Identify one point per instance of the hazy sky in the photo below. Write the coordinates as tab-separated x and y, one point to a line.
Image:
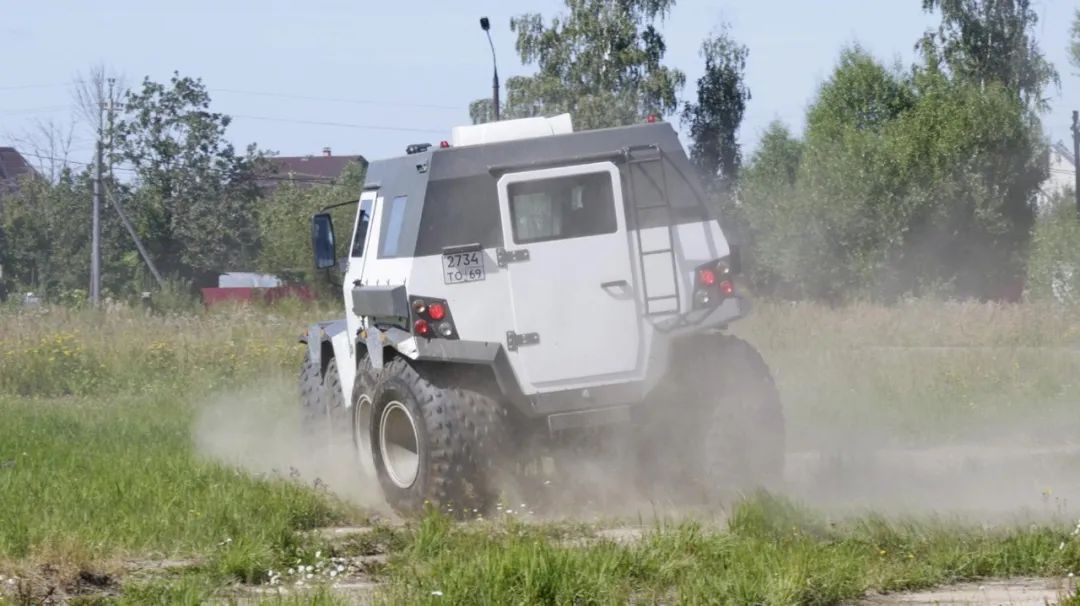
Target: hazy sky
416	65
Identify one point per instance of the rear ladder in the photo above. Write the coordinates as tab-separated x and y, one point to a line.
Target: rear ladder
638	157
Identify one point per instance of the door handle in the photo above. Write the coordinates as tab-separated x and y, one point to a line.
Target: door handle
618	289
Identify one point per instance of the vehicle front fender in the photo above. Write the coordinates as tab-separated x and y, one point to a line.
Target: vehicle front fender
331	339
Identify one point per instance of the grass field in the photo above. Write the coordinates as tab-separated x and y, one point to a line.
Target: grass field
105	495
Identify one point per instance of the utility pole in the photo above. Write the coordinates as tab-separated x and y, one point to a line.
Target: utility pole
486	26
135	238
1076	157
116	203
95	219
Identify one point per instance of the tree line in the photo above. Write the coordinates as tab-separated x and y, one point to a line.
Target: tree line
200	205
905	180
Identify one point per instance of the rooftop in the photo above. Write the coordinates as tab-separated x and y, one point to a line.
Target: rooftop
323	168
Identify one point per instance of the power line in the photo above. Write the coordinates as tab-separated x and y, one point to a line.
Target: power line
70	161
34	110
335	99
25	86
338	124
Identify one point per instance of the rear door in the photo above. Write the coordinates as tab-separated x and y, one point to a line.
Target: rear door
567	253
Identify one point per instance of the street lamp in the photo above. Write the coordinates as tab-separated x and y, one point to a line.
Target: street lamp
486	26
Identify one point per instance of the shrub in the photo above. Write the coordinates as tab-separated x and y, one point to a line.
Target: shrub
1054	266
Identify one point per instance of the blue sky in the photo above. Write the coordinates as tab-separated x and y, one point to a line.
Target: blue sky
417	64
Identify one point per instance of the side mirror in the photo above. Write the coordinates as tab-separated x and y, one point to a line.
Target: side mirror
322	241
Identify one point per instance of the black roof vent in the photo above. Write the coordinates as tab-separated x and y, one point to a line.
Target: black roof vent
416	148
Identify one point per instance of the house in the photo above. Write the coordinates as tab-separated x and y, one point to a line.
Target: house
12	166
1062	176
307	170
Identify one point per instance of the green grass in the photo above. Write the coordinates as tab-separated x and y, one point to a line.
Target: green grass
98	465
770	552
922	372
99	477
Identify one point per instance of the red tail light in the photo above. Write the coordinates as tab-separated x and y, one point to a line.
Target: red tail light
437	311
712	284
432	318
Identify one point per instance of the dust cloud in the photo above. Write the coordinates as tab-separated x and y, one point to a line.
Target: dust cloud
258	428
1003	473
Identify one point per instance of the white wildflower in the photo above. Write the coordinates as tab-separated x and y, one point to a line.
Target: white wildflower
309	575
318	554
437	593
333	573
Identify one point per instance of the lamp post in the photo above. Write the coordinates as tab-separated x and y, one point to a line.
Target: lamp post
486	26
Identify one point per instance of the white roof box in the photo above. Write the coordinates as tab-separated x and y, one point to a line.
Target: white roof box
509	130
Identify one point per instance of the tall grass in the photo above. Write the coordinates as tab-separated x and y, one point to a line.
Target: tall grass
97	461
57	351
922	371
769	552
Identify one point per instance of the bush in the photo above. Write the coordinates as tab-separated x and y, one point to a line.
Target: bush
1054	266
901	185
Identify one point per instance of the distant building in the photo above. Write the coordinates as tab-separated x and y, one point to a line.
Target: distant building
1062	175
307	170
12	166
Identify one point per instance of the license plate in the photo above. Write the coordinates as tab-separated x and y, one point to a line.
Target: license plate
463	267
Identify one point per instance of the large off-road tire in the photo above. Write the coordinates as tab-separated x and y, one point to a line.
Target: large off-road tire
745	443
434	442
312	409
334	407
363	393
715	428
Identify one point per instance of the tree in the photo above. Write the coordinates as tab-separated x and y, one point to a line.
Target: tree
49	146
285	223
902	184
1074	41
715	118
767	190
195	194
1054	267
47	231
601	62
985	41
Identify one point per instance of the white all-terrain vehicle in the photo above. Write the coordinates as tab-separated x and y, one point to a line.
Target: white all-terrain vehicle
523	283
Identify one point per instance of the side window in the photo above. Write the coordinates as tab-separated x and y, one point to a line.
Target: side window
562	207
393	221
363	222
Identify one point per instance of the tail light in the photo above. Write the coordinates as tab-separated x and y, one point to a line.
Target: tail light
437	311
713	282
432	318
